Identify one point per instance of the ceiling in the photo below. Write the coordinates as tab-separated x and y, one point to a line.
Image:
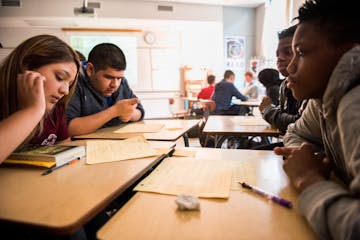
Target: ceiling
239	3
23	20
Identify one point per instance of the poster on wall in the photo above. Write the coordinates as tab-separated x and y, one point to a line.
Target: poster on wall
235	52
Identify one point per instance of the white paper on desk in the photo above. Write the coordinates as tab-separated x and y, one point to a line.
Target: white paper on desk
101	151
249	121
140	128
243	171
199	177
184	153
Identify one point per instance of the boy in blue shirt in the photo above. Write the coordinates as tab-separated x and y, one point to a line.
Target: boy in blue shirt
223	93
103	97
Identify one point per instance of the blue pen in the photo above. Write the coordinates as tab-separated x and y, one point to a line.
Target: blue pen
275	199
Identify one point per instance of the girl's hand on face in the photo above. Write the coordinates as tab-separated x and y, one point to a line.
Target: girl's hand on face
30	90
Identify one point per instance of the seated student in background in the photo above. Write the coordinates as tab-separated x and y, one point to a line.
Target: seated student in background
103	98
223	94
82	60
269	77
206	92
81	56
289	109
326	71
36	81
250	90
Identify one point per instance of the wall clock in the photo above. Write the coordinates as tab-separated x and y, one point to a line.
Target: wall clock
149	38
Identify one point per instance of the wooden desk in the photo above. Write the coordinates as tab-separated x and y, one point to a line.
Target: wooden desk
249	104
218	126
63	201
246	103
173	130
244	215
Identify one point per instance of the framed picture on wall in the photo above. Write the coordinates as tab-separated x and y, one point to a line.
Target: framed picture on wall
235	52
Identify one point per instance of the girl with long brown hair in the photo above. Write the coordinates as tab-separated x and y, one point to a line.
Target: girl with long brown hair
37	80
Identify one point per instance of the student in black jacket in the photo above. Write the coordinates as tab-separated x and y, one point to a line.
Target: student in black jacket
269	77
289	109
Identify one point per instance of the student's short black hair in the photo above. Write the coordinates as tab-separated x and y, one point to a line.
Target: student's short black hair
107	55
337	18
210	79
269	77
228	73
288	32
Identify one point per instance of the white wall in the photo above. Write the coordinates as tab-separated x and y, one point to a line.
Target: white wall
192	35
296	4
116	9
195	31
241	22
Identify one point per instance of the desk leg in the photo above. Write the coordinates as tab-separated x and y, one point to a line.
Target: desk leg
216	140
206	140
186	140
251	112
266	140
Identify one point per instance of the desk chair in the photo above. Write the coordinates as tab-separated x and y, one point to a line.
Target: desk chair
207	106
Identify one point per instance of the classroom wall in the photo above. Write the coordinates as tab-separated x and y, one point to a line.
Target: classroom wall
296	4
116	9
241	22
198	31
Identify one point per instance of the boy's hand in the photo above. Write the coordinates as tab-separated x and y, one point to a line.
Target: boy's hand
265	102
303	167
125	108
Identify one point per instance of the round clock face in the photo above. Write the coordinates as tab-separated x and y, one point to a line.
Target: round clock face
149	38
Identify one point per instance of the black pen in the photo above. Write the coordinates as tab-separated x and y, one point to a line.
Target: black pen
275	199
171	152
57	167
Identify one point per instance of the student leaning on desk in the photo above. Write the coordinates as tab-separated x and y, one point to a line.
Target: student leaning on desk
103	97
288	109
36	81
326	69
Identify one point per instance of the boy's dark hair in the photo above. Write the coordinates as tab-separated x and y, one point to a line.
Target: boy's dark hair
336	18
210	79
107	55
288	32
269	77
228	73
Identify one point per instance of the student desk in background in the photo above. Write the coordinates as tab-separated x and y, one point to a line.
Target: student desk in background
66	199
172	131
246	103
244	215
250	104
222	126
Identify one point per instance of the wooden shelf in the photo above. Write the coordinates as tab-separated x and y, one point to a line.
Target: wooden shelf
194	80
